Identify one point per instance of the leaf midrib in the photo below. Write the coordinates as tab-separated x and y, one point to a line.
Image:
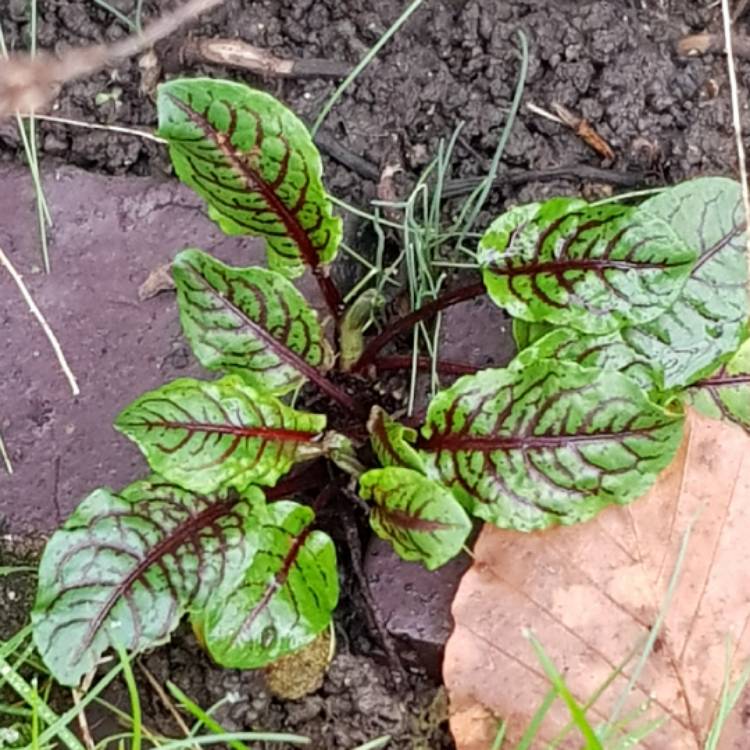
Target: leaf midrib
303	367
292	224
438	442
165	547
242	431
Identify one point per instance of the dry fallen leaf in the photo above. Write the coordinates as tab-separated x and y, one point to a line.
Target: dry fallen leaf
590	594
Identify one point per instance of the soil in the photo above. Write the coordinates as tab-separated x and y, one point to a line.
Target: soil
610	61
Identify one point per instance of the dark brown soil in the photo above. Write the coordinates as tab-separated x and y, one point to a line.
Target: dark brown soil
612	61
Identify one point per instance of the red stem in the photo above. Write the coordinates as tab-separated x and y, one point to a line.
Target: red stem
404	362
330	292
447	299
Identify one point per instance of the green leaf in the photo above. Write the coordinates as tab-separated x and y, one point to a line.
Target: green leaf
249	321
205	436
608	351
284	600
706	322
392	441
525	333
125	567
421	519
594	268
353	324
551	443
726	393
255	164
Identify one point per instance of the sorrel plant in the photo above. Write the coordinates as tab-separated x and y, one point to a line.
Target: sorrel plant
623	314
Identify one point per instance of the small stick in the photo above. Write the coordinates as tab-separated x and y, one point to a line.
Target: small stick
584	130
149	136
165	699
705	42
4	261
737	120
83	722
6	457
584	172
235	53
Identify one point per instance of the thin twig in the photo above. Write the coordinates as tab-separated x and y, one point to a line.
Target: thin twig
5	456
5	261
736	120
83	723
165	699
235	53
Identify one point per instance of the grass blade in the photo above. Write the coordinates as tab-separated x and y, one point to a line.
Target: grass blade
579	717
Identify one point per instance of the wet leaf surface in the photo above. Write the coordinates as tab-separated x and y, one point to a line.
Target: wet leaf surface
286	597
249	321
206	435
255	164
421	519
550	443
594	268
125	567
706	323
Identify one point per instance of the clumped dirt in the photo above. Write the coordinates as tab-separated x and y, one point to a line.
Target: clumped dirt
611	61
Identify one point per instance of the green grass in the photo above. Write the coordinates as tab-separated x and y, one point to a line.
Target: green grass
363	63
620	732
428	242
27	132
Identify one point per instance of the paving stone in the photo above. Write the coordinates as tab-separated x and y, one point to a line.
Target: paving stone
109	233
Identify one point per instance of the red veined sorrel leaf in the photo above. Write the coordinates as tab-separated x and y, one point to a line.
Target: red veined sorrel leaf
285	598
125	567
255	164
421	519
726	393
551	443
607	351
205	436
705	325
249	321
594	268
392	441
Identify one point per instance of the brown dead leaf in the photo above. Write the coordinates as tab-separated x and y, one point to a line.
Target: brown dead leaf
590	594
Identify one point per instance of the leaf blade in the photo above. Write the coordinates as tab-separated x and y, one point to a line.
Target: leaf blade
594	268
706	322
210	435
284	600
255	164
248	321
725	394
126	566
551	443
609	351
418	516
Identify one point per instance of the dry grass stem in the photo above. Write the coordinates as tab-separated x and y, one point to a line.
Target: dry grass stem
27	83
736	118
18	280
